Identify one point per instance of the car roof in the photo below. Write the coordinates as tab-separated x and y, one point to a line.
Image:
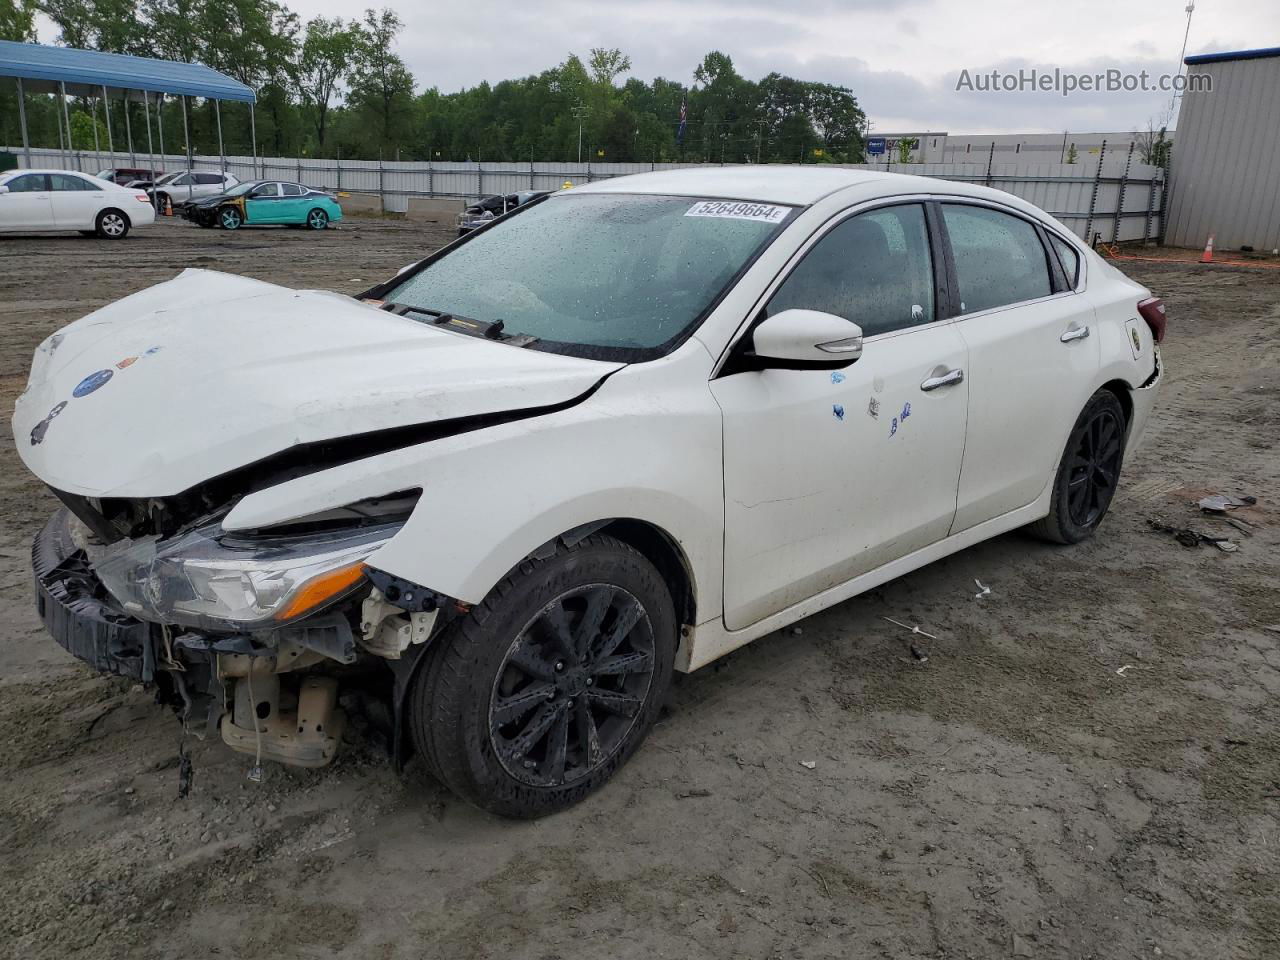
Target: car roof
78	173
774	183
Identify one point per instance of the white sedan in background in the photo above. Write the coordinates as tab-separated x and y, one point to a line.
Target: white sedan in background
37	201
529	486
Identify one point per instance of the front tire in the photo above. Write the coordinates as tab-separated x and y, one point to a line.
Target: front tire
112	225
542	692
1088	474
229	218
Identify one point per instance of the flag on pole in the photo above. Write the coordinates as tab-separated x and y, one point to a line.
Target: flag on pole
684	116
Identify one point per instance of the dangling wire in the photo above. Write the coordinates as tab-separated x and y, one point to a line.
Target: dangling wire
255	772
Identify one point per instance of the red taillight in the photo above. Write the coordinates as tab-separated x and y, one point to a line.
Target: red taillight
142	196
1152	311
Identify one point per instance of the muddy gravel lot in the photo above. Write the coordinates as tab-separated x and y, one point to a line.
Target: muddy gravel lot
1086	765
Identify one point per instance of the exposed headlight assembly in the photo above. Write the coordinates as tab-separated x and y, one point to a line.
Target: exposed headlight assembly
214	580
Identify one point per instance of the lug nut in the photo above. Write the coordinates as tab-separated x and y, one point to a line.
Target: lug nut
559	666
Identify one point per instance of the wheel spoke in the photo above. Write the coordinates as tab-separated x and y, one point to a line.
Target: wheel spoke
588	734
517	705
626	616
558	621
530	663
598	603
622	704
542	722
626	663
558	748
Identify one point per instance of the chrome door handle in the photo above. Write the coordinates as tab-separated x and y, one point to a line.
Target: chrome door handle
946	380
1079	333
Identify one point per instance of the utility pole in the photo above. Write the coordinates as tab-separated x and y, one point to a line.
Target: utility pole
1173	101
580	112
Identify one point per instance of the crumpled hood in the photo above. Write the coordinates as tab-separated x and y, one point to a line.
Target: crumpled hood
208	372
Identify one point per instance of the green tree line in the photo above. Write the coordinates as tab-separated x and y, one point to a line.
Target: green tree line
337	88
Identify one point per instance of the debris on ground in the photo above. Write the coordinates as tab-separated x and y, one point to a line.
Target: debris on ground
983	591
1221	503
693	793
1121	671
919	654
907	626
809	764
1242	525
1192	538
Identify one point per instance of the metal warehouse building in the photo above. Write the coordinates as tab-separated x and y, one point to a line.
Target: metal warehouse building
1225	177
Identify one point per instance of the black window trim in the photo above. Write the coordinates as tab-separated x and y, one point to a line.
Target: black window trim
1057	282
1080	261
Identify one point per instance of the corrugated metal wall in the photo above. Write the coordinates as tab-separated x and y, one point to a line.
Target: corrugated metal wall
1225	177
1081	195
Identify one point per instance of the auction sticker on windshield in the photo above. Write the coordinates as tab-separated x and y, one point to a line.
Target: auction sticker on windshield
735	210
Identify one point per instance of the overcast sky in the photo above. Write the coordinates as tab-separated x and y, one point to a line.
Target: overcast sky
901	59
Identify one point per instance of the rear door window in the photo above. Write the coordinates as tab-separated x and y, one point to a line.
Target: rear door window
291	189
999	258
66	182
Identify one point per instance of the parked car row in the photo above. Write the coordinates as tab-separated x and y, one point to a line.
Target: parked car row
121	199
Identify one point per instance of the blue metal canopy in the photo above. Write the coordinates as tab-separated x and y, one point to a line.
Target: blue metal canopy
50	66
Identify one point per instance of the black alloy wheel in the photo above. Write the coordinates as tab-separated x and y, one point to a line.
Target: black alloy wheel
1089	472
571	686
538	695
1095	468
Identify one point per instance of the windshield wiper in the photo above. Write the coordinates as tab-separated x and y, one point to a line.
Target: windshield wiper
488	329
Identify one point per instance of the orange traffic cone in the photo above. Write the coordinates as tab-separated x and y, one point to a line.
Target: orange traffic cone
1207	256
168	208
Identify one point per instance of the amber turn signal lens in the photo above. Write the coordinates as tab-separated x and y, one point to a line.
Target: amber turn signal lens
321	589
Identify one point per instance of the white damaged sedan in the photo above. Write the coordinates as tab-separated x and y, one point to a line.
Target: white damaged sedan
617	432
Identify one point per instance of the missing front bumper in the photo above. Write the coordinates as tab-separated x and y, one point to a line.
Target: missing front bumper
78	614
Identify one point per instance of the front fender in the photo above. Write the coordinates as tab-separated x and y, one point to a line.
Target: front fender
635	450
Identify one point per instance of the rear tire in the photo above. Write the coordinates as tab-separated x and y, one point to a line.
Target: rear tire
1088	473
317	219
542	692
112	225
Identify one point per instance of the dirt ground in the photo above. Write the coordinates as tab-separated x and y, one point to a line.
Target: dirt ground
1087	765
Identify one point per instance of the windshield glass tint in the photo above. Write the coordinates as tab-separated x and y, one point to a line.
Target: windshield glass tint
598	272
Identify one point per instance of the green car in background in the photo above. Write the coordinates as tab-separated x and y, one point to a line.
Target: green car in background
266	203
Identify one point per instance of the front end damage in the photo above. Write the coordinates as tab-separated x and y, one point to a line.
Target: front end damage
246	635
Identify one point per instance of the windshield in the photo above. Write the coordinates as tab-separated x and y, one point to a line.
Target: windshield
611	276
241	188
168	177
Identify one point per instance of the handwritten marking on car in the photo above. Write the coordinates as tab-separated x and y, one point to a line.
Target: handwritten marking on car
838	411
873	408
837	376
